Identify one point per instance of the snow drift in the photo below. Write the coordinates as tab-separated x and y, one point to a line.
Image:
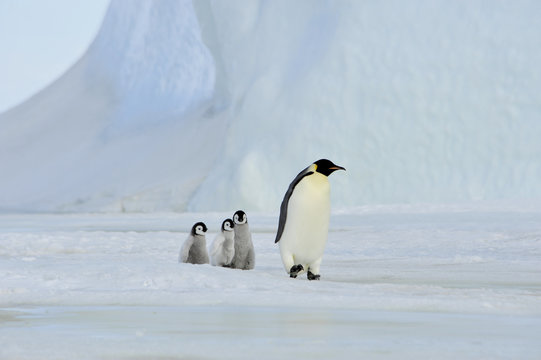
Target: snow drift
217	106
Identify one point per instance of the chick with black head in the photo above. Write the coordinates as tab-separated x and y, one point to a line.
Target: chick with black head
244	248
222	249
194	248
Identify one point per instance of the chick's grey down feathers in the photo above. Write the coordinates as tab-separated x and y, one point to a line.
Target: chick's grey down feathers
194	248
244	257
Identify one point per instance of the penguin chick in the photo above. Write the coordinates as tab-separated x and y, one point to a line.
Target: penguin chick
304	220
222	249
244	257
194	249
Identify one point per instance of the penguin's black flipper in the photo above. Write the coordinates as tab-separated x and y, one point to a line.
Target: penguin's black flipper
285	202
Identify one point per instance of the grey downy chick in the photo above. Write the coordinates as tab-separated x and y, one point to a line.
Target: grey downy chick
222	249
244	248
194	249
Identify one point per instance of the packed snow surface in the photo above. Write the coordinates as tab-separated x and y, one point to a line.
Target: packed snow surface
209	105
397	282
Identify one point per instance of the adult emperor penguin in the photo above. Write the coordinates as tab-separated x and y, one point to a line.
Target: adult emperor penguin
194	249
223	246
304	220
244	248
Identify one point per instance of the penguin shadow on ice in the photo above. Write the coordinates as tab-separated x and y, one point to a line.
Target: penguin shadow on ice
304	220
244	257
222	249
194	248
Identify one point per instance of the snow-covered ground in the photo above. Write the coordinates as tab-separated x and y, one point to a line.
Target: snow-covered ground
410	282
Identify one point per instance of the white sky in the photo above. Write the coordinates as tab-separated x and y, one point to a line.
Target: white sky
40	40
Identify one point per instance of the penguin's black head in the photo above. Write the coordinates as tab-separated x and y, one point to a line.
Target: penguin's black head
228	225
199	228
326	167
240	217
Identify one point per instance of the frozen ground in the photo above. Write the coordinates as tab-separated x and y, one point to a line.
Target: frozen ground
397	282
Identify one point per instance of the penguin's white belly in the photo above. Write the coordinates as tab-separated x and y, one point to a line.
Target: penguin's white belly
307	223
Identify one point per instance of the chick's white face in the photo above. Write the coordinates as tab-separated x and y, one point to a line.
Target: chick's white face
240	219
228	226
199	230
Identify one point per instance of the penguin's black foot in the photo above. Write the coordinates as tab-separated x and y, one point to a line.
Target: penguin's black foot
311	276
295	269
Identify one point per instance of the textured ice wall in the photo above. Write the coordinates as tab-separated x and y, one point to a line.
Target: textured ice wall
122	130
217	105
152	54
421	101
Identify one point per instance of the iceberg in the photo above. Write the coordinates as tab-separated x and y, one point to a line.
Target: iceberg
214	106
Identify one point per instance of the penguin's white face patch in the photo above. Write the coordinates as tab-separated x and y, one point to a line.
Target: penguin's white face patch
237	221
199	230
228	227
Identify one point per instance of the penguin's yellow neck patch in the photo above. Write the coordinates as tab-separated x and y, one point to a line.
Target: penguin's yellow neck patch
313	167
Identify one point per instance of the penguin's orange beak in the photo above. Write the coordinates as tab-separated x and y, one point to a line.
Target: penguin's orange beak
336	167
